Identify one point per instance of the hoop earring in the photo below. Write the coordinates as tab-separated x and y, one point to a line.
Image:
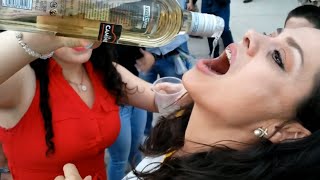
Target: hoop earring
260	132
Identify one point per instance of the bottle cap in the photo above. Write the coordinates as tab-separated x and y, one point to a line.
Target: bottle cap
206	25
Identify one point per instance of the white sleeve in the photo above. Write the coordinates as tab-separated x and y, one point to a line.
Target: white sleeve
147	164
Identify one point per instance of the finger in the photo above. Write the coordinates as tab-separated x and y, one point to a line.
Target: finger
138	65
142	51
142	65
189	7
139	62
59	178
138	68
88	178
140	59
70	170
168	88
75	42
147	56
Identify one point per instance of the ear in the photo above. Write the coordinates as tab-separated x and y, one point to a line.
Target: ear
288	132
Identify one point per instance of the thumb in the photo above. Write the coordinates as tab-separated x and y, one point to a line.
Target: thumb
145	53
142	51
88	178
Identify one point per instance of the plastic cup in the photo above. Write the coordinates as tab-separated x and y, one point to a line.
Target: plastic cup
168	90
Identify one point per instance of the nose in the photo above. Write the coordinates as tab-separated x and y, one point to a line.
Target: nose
253	41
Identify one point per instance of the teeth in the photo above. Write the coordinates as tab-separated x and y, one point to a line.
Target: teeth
228	52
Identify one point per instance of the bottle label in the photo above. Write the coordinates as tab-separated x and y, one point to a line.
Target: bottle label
206	25
109	33
146	16
132	16
26	4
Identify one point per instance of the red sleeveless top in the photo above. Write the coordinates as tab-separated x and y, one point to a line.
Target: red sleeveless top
81	134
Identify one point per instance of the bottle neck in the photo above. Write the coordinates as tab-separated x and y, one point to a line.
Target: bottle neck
200	24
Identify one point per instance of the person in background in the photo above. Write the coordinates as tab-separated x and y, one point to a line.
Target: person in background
247	1
133	120
164	63
312	2
303	16
64	108
219	8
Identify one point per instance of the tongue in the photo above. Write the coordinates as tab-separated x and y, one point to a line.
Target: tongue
221	66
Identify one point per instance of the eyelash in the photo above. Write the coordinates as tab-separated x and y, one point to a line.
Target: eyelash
276	56
269	35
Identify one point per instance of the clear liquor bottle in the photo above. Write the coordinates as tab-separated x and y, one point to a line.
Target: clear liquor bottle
148	23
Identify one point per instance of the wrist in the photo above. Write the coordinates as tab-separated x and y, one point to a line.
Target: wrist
41	43
29	50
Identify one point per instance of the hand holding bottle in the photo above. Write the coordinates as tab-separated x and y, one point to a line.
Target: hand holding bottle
45	43
14	56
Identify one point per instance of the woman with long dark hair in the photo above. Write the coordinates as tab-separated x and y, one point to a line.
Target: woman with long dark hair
255	115
64	108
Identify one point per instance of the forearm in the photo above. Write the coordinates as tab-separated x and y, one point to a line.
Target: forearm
13	57
139	92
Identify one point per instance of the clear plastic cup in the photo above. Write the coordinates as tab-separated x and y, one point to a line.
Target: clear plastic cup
168	90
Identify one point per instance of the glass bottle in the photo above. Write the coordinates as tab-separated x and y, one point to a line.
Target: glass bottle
148	23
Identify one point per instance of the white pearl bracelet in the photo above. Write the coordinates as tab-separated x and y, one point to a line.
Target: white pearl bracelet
31	52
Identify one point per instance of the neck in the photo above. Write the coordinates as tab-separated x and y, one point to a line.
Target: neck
72	71
205	131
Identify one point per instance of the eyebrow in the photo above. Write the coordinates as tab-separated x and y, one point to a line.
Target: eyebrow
295	45
291	42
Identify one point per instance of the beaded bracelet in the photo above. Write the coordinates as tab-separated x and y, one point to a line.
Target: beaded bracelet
28	50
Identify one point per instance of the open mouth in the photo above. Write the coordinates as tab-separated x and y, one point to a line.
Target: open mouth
221	64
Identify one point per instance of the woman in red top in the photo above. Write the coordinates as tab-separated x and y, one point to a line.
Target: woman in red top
63	109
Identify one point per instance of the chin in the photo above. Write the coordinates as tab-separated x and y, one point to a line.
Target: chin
85	55
186	78
193	80
69	55
194	76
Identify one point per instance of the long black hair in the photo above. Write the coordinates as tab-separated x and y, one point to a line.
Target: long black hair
102	58
260	161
